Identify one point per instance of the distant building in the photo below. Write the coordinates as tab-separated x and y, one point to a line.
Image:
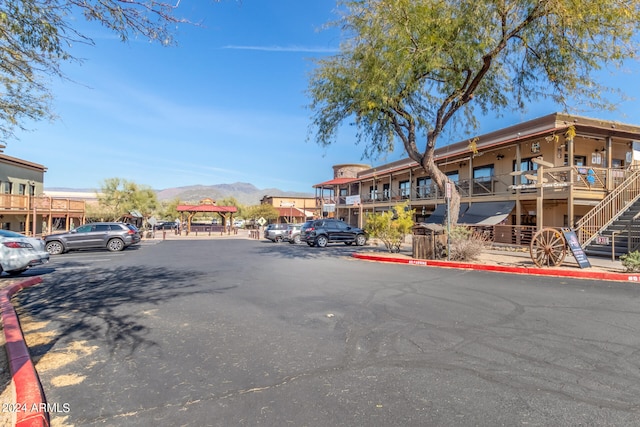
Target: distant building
24	207
292	210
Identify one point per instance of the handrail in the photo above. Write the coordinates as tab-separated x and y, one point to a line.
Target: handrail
609	209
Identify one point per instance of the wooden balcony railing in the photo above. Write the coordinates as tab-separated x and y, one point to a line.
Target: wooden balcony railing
20	202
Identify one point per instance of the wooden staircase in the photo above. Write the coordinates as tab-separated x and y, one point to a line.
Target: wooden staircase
612	228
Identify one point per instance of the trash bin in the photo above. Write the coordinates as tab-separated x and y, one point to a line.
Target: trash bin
427	240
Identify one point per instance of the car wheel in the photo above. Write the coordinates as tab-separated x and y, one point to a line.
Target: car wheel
321	241
54	247
16	272
361	240
295	240
278	239
115	245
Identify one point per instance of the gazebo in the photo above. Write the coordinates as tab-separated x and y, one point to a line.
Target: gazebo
206	205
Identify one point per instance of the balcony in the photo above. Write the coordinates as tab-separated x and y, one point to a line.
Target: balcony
591	182
21	204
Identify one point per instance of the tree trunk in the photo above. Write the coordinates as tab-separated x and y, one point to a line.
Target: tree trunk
440	179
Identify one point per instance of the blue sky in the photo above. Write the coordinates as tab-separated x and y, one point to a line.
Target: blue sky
226	105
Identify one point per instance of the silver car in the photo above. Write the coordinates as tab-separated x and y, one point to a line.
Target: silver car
19	252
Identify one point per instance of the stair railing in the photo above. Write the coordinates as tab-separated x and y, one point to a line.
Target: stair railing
609	209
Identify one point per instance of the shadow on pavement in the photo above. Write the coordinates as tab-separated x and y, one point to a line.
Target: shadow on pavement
90	305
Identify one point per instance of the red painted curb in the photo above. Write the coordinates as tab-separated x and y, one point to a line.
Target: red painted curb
578	274
30	400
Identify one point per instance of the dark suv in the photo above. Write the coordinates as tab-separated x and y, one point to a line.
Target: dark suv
114	236
323	231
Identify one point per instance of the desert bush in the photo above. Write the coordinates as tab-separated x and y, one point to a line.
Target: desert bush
631	261
466	244
391	226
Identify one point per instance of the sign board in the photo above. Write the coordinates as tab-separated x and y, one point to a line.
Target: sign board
576	249
448	186
329	207
353	200
602	240
152	221
262	221
287	204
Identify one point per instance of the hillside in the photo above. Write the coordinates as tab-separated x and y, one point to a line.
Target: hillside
244	193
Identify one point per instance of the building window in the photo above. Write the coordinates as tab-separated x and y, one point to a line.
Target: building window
577	160
386	189
405	189
32	190
423	187
22	189
453	176
7	187
482	179
373	193
526	165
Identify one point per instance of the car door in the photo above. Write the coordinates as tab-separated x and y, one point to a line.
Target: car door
79	237
342	232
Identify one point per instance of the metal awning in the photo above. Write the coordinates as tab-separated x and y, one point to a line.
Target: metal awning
440	213
487	213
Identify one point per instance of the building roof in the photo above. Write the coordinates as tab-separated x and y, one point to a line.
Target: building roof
293	212
551	124
335	181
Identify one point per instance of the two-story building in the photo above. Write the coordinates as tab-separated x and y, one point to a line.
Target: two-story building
291	210
555	171
23	206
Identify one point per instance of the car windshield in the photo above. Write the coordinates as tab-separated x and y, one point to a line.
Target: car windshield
7	233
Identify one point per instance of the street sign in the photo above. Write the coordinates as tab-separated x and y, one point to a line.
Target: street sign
262	221
448	190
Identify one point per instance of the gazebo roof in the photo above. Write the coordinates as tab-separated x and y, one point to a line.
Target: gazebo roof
207	208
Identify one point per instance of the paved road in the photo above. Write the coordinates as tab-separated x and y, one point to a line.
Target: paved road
242	332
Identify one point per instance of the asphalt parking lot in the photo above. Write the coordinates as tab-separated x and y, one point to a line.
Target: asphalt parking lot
251	332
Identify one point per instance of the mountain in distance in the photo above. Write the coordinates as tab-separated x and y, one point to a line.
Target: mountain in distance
244	193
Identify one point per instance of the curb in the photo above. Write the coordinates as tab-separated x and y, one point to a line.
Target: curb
30	400
578	274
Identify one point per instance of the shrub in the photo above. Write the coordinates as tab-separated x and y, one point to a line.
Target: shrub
631	261
391	227
466	244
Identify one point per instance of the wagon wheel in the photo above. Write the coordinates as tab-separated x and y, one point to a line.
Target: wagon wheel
548	248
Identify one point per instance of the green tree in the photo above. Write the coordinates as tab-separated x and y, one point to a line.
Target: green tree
267	212
36	37
391	226
410	68
169	210
118	197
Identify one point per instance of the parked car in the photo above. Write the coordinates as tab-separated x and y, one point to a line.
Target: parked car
292	233
323	231
19	252
275	232
167	226
114	236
